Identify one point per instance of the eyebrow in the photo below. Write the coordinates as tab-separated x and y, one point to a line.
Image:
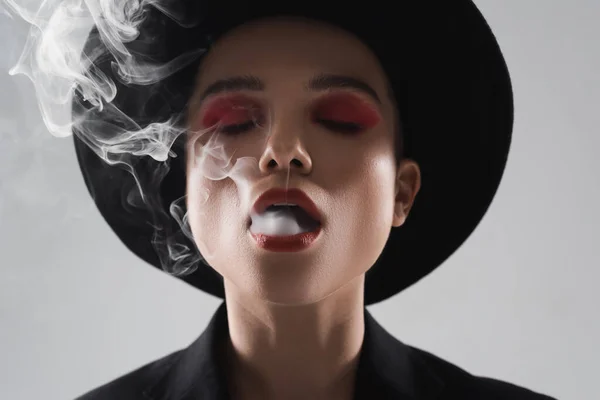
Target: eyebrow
320	82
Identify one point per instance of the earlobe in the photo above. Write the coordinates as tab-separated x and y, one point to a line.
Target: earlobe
401	205
399	218
408	184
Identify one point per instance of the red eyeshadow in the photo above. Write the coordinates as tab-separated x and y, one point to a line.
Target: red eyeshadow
228	110
345	107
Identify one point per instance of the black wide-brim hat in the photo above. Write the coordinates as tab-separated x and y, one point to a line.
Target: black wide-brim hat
453	92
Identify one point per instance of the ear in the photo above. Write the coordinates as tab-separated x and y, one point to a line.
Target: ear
408	184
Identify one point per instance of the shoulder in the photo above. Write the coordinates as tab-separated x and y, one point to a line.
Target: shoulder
131	386
460	384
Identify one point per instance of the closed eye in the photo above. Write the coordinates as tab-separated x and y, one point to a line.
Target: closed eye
237	128
340	126
336	126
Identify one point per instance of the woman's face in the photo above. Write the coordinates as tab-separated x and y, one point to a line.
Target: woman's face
294	139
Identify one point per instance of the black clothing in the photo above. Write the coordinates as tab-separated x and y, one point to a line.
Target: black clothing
388	369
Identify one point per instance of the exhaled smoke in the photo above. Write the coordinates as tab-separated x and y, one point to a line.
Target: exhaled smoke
52	60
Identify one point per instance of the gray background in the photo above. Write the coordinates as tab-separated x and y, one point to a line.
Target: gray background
517	302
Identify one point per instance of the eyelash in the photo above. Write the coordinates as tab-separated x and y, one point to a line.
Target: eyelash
336	126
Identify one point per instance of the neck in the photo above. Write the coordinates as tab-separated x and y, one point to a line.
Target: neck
295	352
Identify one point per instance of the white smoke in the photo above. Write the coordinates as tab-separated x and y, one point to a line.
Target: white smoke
52	60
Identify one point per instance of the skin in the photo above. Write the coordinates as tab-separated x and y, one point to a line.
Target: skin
296	319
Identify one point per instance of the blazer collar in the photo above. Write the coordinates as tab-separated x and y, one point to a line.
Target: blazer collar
386	366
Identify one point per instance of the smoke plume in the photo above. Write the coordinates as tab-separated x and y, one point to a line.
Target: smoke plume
52	60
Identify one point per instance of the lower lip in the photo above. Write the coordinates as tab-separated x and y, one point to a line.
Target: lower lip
289	243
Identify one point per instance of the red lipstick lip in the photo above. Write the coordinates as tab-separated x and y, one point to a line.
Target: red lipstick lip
294	196
286	244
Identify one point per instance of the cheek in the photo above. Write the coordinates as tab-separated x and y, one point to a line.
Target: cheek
360	160
368	191
372	209
213	210
196	195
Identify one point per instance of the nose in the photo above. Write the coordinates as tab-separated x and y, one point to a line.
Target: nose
285	151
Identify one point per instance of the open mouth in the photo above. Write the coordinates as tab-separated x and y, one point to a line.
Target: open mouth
283	220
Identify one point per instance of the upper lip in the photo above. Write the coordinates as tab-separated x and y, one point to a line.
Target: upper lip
292	196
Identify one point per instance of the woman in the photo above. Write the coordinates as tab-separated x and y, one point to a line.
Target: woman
311	134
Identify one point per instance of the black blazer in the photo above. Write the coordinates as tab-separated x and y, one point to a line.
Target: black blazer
388	369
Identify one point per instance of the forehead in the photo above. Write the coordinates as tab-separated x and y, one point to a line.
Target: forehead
290	49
